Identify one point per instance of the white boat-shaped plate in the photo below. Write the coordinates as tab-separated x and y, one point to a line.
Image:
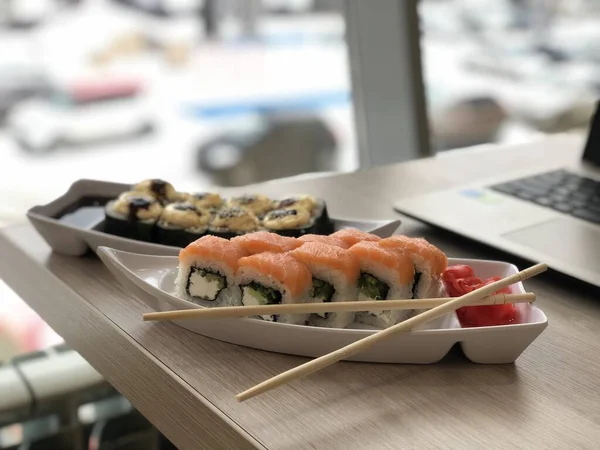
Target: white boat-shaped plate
155	275
74	223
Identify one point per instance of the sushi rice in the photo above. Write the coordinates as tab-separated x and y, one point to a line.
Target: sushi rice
385	275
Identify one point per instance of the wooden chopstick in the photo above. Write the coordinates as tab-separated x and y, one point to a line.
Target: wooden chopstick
306	308
365	343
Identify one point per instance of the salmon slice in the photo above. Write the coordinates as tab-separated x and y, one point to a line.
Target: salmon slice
331	256
409	245
353	236
419	247
329	240
283	267
265	241
440	260
392	259
213	248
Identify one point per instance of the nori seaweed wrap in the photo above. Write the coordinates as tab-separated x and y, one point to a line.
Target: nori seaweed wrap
181	224
132	215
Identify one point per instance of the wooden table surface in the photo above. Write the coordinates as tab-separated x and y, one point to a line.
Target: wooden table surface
185	383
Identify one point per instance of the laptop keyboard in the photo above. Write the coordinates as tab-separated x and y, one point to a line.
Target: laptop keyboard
560	190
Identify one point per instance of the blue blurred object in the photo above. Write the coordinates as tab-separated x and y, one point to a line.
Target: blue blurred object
300	103
164	8
291	39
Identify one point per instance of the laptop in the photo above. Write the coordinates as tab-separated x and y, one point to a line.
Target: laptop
551	217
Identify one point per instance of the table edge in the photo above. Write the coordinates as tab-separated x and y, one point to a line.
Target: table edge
14	262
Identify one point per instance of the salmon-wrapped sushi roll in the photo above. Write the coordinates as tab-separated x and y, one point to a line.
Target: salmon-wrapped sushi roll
429	261
207	270
273	278
385	274
335	272
265	241
353	236
329	240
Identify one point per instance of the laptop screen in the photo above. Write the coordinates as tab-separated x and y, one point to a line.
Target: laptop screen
591	153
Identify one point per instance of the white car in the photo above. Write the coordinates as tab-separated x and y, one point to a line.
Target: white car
83	114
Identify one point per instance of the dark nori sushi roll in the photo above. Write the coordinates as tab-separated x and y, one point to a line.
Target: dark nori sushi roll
161	190
231	222
257	204
181	224
324	223
132	215
316	207
307	202
180	197
290	222
205	200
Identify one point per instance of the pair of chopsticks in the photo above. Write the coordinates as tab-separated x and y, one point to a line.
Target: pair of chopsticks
314	365
227	312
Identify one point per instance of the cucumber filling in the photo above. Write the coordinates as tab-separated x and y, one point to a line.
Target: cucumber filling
205	284
255	293
372	287
321	292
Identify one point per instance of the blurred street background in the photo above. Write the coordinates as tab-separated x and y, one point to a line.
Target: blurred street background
186	89
191	90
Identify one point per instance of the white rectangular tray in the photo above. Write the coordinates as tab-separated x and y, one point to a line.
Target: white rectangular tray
53	223
153	277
